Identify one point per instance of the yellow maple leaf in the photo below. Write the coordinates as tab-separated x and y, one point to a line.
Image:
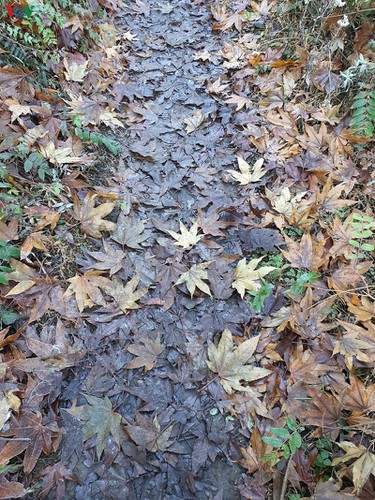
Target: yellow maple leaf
194	278
248	174
246	275
362	467
188	238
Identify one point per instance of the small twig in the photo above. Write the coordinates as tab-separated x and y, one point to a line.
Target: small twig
285	480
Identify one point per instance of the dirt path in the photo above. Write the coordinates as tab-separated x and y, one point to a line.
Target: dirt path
168	176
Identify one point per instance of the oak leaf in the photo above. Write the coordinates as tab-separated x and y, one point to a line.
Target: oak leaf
188	238
194	278
247	277
91	217
248	174
126	296
98	420
232	363
87	289
146	354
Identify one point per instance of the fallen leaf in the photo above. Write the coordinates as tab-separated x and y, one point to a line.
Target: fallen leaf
146	354
248	174
194	278
232	363
188	238
98	420
91	217
111	259
246	275
9	232
126	296
24	275
75	72
128	232
86	289
195	121
363	465
148	435
34	240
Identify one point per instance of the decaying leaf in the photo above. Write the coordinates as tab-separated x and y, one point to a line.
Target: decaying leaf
126	296
248	174
232	363
363	465
128	232
25	276
146	354
86	289
247	276
111	259
195	121
148	435
98	420
188	238
91	218
194	278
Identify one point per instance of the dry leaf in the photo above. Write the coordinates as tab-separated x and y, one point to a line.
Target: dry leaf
194	278
247	276
362	467
248	174
188	238
75	72
86	289
195	121
129	231
146	354
91	217
126	296
232	363
24	275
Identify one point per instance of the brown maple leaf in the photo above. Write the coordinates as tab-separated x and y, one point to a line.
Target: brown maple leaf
232	363
362	466
126	296
326	415
358	398
86	289
49	216
308	253
358	343
32	436
210	222
148	435
25	276
111	259
129	231
146	354
91	217
34	240
9	232
363	308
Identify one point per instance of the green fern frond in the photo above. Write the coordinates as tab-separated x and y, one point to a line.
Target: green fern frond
363	115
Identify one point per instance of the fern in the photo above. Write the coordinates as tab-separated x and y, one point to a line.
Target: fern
363	116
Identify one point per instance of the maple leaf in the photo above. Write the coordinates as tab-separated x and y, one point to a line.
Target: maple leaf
91	217
111	259
148	435
326	415
146	354
195	121
246	275
75	72
31	435
217	87
34	240
308	253
248	174
358	398
11	489
98	420
232	364
9	232
126	296
194	278
128	232
56	475
49	216
210	222
86	289
239	101
24	275
363	465
354	344
59	156
363	310
329	198
188	238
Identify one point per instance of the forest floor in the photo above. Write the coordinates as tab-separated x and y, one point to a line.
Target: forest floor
187	307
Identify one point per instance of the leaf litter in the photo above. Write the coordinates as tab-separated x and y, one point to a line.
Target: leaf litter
173	390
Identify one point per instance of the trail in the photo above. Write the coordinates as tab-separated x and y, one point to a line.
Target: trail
168	175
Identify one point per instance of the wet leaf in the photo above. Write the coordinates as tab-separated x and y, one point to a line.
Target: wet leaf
248	174
188	238
247	277
194	278
91	218
146	354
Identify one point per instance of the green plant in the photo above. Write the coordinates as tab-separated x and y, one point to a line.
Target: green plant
7	316
285	441
363	115
363	228
95	138
7	252
299	283
325	447
260	295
